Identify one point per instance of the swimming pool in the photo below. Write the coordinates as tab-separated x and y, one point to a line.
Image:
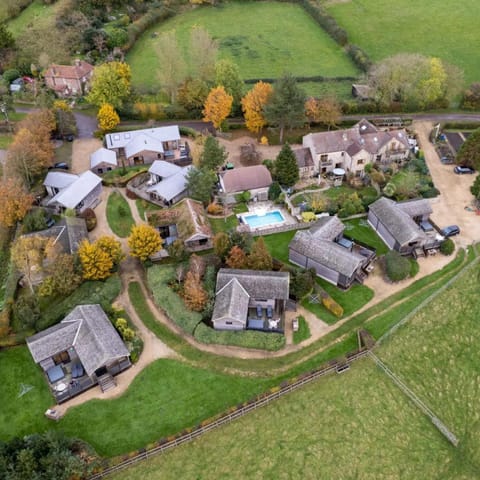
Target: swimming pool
256	220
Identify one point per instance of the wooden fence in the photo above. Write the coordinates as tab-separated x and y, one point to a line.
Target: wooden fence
229	416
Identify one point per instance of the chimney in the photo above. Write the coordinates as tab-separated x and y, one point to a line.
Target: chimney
77	62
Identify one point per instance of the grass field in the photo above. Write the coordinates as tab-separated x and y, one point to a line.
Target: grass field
35	14
265	39
119	215
448	30
358	229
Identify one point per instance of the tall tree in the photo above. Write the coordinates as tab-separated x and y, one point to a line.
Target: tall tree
16	202
285	108
64	118
200	183
173	67
469	153
144	240
221	245
213	155
63	274
112	247
218	106
286	167
192	94
107	118
260	258
253	104
203	54
193	292
96	263
237	258
228	75
323	110
110	84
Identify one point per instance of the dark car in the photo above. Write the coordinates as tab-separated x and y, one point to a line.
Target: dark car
462	169
61	165
450	231
50	222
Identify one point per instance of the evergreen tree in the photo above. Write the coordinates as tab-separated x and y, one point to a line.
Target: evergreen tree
286	168
260	258
213	155
200	183
469	153
228	75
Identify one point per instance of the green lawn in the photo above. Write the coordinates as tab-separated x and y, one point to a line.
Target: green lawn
448	30
121	176
358	229
5	140
119	215
277	244
223	224
64	153
265	39
35	14
303	331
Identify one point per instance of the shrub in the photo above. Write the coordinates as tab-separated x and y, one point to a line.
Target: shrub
308	217
274	191
414	267
214	209
331	305
90	218
447	247
396	267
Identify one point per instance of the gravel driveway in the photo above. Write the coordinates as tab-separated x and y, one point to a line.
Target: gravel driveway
82	148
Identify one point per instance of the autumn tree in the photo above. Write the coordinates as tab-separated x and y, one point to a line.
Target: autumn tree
203	54
259	257
221	245
192	94
110	84
96	263
213	155
253	104
200	183
197	265
286	167
323	110
173	67
227	74
64	118
469	153
194	294
285	108
16	202
218	106
144	240
63	277
112	247
237	258
107	118
29	253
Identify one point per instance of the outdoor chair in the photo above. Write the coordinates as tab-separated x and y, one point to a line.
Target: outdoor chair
259	312
269	312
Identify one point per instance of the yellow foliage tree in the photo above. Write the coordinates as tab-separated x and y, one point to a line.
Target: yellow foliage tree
252	106
61	105
96	263
218	106
16	202
107	118
111	246
144	240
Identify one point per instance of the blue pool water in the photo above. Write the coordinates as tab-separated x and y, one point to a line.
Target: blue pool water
270	218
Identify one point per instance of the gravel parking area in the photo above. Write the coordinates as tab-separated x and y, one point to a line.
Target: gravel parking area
82	148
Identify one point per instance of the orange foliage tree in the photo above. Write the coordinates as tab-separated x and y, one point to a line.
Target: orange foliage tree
237	258
260	258
252	106
218	106
325	110
194	294
16	202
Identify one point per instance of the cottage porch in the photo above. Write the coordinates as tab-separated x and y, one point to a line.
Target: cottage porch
269	319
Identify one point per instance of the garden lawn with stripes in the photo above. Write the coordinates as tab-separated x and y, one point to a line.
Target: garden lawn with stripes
265	39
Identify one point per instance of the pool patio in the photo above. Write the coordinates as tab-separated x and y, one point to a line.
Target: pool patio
261	209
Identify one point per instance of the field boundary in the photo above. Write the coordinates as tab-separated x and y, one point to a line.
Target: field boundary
229	416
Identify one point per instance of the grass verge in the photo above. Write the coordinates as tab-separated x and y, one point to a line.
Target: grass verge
119	215
303	331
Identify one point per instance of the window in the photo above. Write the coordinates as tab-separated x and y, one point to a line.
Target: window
379	158
228	323
360	161
99	170
324	157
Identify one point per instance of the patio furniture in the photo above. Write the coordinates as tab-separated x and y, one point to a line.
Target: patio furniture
269	312
255	324
61	387
259	312
55	373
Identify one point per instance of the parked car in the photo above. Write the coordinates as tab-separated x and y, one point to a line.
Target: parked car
61	165
450	231
462	169
50	222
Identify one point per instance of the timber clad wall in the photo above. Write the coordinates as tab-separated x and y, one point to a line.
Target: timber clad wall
301	260
382	231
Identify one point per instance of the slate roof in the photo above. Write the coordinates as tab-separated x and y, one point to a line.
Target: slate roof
303	157
397	221
171	186
327	228
88	330
103	155
257	283
245	178
326	253
72	195
163	168
416	208
78	71
161	134
59	180
231	301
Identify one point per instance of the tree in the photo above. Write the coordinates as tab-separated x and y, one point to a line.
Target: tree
29	253
218	106
192	95
213	155
253	104
237	258
6	38
96	263
274	191
112	247
397	267
326	111
197	265
64	278
200	183
286	167
447	247
16	202
144	240
227	74
64	118
285	107
107	118
469	153
475	188
177	251
203	53
471	97
173	67
260	258
221	245
110	84
194	294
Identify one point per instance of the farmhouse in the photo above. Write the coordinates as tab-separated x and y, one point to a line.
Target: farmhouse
82	350
145	146
69	80
103	160
250	299
335	259
306	167
255	179
399	224
353	148
77	192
